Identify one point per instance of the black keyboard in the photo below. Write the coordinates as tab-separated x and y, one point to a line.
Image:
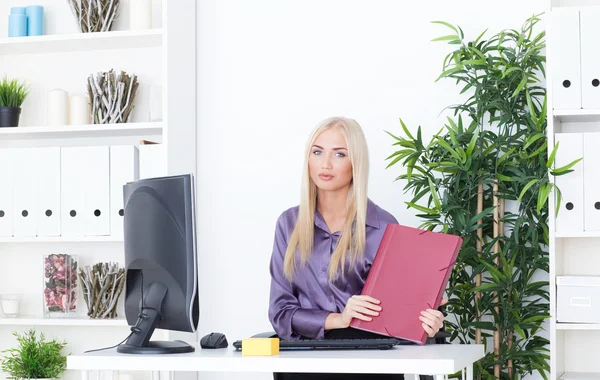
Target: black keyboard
335	340
335	344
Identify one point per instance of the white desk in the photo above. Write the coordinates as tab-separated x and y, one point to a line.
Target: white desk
438	360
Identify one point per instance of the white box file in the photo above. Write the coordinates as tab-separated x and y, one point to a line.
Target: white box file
72	166
590	58
25	168
578	299
124	167
565	55
6	192
47	191
571	215
96	185
591	182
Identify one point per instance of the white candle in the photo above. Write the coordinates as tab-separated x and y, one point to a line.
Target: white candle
11	306
140	14
79	110
57	107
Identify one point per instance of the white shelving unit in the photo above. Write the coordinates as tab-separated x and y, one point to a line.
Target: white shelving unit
164	56
573	346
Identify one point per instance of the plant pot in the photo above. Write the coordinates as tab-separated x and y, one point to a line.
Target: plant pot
9	116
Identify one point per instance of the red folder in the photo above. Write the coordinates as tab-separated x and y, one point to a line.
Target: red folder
409	274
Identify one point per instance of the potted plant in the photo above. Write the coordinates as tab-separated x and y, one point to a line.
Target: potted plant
12	96
34	358
485	177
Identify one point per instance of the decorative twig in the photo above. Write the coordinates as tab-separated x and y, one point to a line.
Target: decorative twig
112	96
94	15
102	284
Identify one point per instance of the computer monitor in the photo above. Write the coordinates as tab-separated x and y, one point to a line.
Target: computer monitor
161	288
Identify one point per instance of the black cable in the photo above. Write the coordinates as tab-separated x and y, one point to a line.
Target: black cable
134	329
108	348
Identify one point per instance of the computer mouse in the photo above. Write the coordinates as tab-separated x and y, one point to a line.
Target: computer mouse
214	340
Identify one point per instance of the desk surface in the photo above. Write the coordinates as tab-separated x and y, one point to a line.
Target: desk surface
429	359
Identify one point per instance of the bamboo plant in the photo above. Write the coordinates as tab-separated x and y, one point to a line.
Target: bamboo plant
485	177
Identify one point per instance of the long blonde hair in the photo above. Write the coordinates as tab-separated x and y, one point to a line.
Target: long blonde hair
356	205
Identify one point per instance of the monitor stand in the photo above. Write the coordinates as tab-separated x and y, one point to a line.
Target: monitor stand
139	341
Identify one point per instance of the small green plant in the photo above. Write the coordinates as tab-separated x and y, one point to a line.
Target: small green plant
12	92
34	358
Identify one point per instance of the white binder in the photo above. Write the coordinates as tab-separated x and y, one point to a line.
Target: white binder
6	192
47	190
570	216
25	165
590	58
123	169
72	166
152	161
591	183
565	55
96	185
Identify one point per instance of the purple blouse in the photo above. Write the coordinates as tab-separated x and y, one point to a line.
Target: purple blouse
301	307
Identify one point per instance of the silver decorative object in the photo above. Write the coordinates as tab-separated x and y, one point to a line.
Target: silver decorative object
112	96
94	15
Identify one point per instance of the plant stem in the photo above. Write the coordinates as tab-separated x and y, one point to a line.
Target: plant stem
497	335
479	248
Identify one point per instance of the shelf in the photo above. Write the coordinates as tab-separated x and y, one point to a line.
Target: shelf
61	239
58	43
583	234
578	115
578	326
72	321
580	376
81	131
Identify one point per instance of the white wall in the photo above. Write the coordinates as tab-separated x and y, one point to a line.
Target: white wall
269	70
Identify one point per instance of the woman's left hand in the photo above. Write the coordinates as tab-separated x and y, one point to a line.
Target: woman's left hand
432	320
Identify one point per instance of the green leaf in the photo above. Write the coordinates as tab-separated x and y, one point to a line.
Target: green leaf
450	72
531	108
531	139
486	287
436	199
505	178
479	37
405	129
568	166
447	146
446	38
446	24
421	208
550	161
529	184
510	70
545	190
472	143
558	200
535	318
520	86
520	331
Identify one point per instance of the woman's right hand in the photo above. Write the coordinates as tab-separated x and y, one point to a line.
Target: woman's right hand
360	307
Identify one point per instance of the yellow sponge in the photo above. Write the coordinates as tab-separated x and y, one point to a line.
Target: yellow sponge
260	346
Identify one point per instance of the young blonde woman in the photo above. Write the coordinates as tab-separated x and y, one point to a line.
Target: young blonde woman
324	247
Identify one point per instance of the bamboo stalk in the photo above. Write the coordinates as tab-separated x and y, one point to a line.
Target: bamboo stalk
510	333
479	247
497	335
